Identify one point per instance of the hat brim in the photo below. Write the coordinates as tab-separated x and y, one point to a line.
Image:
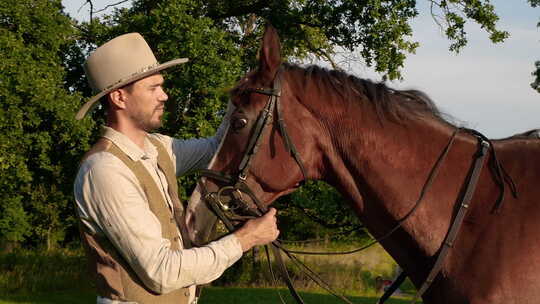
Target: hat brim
89	106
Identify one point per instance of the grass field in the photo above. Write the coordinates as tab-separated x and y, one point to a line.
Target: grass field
60	276
211	295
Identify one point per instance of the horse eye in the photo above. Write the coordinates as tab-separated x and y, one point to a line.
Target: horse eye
239	123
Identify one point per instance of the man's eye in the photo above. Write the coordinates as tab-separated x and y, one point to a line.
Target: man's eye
239	123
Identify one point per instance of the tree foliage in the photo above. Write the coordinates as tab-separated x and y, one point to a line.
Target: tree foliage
39	139
534	3
378	30
536	83
536	74
315	211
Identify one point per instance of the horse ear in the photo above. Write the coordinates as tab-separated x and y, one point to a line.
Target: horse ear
270	56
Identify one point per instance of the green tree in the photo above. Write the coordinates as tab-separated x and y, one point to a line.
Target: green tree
39	139
317	211
536	83
378	30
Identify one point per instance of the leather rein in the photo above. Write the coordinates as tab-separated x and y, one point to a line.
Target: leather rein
230	207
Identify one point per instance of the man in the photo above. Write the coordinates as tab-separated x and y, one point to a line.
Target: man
126	192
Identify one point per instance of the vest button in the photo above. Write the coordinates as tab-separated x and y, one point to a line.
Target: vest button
172	220
186	293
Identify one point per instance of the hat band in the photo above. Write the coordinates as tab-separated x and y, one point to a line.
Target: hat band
140	71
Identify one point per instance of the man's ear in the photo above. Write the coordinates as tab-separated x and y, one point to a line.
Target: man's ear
118	98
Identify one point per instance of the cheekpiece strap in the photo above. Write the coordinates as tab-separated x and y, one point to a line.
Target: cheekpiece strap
265	91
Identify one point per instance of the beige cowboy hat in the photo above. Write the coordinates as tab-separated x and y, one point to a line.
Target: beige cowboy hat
118	62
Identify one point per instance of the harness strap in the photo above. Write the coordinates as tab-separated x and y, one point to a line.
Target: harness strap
275	246
454	229
456	225
240	185
285	274
502	178
274	279
266	91
432	175
311	274
217	175
264	117
228	224
289	146
395	285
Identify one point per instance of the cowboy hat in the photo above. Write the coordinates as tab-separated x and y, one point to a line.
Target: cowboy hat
119	62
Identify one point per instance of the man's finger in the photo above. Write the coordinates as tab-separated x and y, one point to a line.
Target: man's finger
271	212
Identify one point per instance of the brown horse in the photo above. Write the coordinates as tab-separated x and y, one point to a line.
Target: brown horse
377	146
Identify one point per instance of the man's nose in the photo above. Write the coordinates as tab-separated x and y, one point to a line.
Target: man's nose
163	97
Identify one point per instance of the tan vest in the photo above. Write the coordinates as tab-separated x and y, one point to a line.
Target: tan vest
114	277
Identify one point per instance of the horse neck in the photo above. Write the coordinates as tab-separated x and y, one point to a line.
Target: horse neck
382	166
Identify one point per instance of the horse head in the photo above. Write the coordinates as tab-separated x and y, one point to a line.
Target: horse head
256	149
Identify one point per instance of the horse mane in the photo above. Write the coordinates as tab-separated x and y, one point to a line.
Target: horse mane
530	134
390	104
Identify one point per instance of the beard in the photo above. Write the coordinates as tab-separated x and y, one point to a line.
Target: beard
148	121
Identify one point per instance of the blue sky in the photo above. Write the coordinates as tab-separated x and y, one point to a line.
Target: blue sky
486	86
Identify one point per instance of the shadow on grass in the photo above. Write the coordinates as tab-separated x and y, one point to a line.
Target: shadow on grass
210	295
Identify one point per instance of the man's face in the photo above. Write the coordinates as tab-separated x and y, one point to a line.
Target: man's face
146	102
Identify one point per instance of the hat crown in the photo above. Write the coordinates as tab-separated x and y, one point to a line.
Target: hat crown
118	60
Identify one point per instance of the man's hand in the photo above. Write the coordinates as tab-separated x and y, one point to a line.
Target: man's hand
259	231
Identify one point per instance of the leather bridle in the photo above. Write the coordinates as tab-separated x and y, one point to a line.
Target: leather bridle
237	208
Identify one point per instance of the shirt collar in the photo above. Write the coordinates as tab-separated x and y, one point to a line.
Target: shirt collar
128	146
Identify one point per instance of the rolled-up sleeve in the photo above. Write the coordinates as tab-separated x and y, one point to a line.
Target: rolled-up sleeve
111	201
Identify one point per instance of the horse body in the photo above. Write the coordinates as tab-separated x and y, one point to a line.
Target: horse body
380	157
382	168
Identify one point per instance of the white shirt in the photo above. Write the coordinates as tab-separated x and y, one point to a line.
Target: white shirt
110	201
